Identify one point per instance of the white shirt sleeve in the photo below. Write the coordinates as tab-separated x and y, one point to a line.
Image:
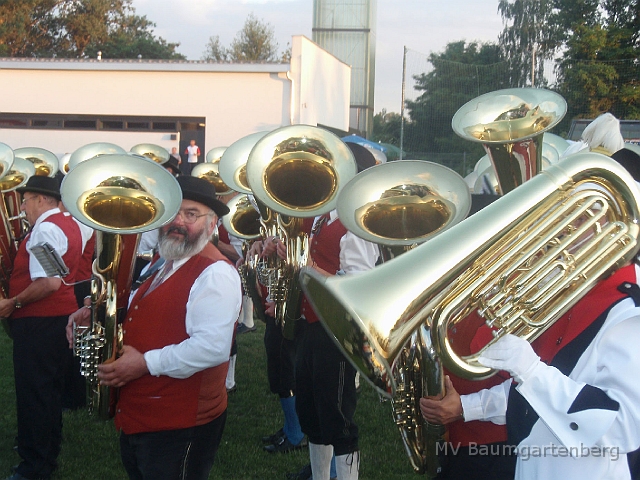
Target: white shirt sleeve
488	405
356	254
45	232
212	310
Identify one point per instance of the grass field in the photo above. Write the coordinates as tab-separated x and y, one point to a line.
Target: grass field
90	447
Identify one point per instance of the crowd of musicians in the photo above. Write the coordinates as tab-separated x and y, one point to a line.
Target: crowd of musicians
566	405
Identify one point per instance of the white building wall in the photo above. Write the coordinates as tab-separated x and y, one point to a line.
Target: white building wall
234	99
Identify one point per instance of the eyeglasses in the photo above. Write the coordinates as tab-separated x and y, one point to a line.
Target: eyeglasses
26	199
190	216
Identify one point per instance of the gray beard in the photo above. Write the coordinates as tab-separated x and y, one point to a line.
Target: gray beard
175	249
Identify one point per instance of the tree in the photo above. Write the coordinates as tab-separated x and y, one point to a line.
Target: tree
598	71
25	27
134	37
460	73
214	52
386	127
531	35
254	43
74	28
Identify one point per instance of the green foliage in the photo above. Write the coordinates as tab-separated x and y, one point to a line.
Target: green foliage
254	43
462	72
529	30
386	127
77	28
90	447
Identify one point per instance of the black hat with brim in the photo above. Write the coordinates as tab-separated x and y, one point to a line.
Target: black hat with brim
172	163
201	191
364	158
42	185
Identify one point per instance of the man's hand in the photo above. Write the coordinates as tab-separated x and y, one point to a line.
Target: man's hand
512	354
82	318
270	308
442	410
7	306
129	366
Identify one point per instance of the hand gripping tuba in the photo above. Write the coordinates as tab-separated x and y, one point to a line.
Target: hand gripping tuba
399	205
120	196
297	171
520	263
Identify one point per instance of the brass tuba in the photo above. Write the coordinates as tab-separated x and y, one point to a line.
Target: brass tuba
211	173
520	263
297	171
44	161
150	150
120	196
243	221
400	205
510	124
7	245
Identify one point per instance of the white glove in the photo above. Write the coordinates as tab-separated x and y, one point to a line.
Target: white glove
512	354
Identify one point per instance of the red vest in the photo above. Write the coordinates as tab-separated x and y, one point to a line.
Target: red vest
86	262
62	301
150	403
325	251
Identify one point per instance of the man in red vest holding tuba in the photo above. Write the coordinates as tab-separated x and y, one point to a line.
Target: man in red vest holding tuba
177	340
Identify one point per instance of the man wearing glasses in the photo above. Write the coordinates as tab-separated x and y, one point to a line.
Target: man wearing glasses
38	307
177	340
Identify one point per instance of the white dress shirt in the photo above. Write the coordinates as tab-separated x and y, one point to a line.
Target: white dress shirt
212	310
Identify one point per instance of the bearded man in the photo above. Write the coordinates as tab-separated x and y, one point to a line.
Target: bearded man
178	331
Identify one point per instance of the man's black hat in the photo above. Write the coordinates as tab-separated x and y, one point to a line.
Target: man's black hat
172	164
201	191
43	185
629	160
364	158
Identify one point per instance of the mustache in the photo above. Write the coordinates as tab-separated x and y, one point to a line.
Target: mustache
180	230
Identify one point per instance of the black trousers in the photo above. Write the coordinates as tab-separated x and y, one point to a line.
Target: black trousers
185	454
494	461
280	360
325	390
40	359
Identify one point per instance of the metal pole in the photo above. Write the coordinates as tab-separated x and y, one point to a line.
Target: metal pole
404	74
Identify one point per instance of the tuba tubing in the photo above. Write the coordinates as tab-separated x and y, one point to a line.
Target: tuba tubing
420	284
120	196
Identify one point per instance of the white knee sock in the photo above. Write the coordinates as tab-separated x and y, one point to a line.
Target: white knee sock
347	466
320	457
247	311
231	373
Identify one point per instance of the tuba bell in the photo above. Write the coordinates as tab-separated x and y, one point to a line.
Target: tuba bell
91	150
120	196
44	161
297	171
520	263
510	124
243	221
21	170
400	205
150	150
211	173
7	245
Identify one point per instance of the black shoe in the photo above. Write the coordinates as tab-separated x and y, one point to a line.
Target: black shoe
242	328
232	389
304	474
273	438
285	446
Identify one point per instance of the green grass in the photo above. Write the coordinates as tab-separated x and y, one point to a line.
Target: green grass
90	447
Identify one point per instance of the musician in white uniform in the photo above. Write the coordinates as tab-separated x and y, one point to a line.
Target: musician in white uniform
573	408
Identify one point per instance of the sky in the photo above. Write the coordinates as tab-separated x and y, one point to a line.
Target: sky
422	26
